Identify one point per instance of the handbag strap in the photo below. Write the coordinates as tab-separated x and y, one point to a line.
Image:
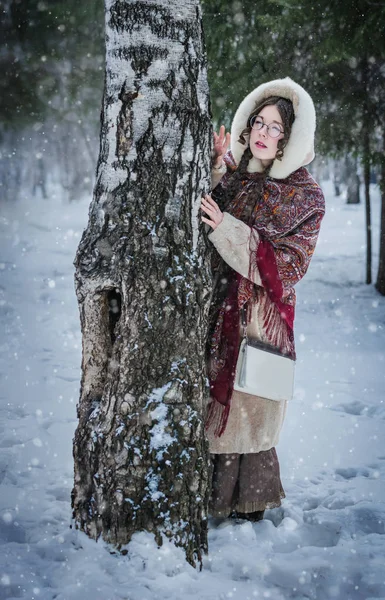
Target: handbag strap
257	343
244	322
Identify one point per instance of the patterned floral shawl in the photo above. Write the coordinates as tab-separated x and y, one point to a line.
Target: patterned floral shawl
284	227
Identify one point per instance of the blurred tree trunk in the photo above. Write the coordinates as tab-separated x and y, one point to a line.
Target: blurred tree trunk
352	180
143	286
337	178
366	130
380	283
39	178
368	218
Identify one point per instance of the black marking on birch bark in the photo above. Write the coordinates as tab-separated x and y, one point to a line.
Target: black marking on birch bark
124	122
127	16
141	57
103	154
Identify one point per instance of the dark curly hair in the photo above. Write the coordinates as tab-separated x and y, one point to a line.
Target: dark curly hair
286	111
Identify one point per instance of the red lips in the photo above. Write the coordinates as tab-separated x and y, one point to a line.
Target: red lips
260	145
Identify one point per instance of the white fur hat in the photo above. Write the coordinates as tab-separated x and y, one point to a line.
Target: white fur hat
300	148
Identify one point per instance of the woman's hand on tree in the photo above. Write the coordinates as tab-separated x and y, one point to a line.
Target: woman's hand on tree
221	144
211	208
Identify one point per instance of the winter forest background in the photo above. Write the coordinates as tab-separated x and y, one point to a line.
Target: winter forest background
327	540
53	72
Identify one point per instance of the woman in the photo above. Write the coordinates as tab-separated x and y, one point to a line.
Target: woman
265	212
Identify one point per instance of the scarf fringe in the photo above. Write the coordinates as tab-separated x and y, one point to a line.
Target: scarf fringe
217	416
275	332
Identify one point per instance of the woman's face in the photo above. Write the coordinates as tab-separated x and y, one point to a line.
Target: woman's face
262	145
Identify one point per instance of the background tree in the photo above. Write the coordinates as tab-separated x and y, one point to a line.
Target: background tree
380	282
50	93
349	52
244	49
50	49
143	286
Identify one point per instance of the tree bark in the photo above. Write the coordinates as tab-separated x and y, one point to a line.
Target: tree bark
367	162
353	180
380	283
367	211
143	286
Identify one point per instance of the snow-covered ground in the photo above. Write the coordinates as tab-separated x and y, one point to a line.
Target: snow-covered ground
327	539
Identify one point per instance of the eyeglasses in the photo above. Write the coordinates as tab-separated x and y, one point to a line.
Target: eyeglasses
273	129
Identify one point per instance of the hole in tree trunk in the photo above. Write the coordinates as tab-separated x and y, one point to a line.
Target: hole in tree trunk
114	300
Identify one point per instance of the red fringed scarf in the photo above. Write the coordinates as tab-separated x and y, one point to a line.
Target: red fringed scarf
221	387
268	271
284	230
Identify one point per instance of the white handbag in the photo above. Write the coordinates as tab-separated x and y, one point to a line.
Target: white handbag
262	371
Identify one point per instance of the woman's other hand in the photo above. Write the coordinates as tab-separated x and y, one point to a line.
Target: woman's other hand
211	208
221	144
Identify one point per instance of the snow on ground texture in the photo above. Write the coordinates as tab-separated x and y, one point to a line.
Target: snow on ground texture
325	542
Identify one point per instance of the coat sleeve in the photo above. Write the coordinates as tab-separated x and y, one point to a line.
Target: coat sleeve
232	238
277	265
221	176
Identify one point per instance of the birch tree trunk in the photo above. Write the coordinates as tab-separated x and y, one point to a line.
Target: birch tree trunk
143	286
367	164
380	282
366	124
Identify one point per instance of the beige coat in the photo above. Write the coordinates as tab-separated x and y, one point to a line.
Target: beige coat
254	423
